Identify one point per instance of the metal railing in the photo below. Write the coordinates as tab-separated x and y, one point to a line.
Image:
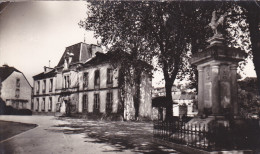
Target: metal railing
210	137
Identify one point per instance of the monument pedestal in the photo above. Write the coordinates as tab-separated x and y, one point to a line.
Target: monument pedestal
217	68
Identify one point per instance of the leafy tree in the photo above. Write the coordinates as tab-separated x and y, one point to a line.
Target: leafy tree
252	14
144	29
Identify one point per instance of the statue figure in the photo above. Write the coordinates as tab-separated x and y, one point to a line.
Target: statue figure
215	23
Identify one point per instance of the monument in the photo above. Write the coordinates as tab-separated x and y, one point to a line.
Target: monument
217	71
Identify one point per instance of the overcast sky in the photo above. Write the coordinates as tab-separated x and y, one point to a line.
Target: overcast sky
32	33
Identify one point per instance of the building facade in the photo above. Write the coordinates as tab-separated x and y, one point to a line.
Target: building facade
16	91
85	82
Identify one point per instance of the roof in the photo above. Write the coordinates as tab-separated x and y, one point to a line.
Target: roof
75	49
44	75
110	56
6	71
79	52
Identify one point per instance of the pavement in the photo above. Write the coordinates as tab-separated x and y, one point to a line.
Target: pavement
79	136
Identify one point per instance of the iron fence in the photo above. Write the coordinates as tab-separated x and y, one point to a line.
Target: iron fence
210	137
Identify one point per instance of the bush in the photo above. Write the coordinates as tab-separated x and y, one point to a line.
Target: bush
9	110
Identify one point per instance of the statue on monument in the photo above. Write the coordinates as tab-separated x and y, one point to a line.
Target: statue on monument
216	25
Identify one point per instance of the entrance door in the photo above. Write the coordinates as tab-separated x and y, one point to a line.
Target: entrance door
63	107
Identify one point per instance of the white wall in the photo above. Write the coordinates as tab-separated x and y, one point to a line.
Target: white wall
9	87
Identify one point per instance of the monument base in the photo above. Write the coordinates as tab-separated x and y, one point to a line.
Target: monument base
197	131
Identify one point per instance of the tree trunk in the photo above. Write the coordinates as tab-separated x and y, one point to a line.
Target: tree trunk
168	89
137	93
254	20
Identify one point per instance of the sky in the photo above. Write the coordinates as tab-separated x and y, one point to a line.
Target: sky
32	33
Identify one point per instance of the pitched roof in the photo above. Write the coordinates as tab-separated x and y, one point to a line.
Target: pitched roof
110	56
79	52
75	49
6	71
44	75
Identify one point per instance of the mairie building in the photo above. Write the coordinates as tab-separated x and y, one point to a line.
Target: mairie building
85	82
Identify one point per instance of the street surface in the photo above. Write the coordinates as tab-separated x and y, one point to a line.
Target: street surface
79	136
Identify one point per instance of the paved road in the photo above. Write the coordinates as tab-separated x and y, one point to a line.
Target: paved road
46	139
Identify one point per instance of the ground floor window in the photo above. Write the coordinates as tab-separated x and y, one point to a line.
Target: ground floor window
85	103
43	104
50	104
37	106
109	101
96	103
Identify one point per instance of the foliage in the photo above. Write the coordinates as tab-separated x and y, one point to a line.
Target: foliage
170	30
144	29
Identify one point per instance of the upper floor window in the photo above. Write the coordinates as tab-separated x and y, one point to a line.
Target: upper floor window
44	86
97	78
51	85
85	79
17	82
109	76
66	81
38	87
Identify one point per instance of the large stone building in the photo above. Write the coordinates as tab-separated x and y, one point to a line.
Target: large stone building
85	82
15	89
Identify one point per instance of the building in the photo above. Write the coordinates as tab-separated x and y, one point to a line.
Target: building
84	82
15	89
183	101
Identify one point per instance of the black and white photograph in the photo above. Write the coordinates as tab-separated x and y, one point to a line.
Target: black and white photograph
130	77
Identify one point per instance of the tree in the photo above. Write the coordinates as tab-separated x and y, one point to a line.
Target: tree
144	29
252	12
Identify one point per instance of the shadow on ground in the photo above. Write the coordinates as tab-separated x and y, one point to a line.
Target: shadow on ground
134	136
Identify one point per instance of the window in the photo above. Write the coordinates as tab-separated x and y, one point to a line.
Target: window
97	78
17	83
96	102
38	87
85	102
17	93
44	86
43	104
50	104
66	81
109	76
85	79
109	101
37	106
51	85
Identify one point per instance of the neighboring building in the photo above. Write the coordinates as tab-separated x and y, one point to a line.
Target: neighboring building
15	89
184	104
84	82
183	101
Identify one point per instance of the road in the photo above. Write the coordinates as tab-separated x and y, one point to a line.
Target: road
58	135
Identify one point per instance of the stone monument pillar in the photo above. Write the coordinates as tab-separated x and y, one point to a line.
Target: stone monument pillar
217	67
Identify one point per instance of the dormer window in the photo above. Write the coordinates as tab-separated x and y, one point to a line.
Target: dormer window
65	63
